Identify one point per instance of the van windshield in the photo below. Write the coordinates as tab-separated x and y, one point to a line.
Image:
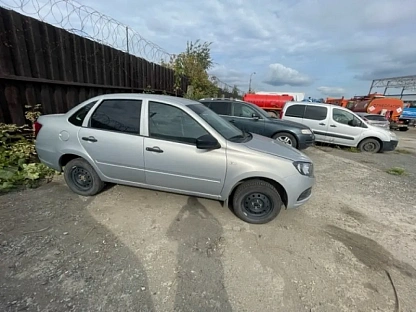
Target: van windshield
222	126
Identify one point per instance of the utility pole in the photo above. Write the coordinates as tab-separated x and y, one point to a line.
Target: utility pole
249	85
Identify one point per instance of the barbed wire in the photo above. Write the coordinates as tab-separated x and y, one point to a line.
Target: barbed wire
225	86
85	21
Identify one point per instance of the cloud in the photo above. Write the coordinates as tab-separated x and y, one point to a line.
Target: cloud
280	75
331	91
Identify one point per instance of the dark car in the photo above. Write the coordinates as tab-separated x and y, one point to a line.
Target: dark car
251	118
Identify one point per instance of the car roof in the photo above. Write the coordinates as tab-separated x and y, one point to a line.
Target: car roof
140	96
314	104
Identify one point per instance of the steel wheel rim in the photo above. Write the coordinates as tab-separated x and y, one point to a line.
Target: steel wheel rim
285	139
257	205
82	178
370	147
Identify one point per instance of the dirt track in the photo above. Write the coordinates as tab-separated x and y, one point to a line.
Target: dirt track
136	250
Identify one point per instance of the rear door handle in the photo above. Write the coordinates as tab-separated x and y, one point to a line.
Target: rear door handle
322	124
155	149
332	126
90	139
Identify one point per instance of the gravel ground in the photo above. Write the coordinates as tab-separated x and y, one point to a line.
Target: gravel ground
129	249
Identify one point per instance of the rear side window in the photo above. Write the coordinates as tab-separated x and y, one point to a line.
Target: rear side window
295	111
221	108
118	115
78	117
315	112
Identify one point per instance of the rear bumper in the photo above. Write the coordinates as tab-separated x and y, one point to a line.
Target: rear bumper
389	146
305	141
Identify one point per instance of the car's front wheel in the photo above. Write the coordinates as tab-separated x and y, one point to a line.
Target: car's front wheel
369	145
286	138
81	177
257	202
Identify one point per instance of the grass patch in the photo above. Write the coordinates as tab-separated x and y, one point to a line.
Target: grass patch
353	150
396	171
403	151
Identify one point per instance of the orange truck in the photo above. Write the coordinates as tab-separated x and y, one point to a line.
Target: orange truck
271	103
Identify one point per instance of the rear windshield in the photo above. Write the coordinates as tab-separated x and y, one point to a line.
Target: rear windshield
375	117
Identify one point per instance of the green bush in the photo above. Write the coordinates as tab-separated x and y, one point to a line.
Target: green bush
19	164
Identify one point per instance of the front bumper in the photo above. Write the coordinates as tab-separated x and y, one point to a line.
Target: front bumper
305	141
389	146
298	190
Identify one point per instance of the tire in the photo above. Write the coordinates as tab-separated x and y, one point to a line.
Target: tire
369	146
285	137
83	169
248	194
403	129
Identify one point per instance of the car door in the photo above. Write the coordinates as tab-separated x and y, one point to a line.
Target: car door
172	160
111	137
317	118
342	130
222	108
246	118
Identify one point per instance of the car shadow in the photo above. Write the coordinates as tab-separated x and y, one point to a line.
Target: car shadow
200	274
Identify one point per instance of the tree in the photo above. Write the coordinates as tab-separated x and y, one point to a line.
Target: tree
235	92
194	63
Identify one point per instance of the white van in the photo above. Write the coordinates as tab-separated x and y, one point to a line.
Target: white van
338	125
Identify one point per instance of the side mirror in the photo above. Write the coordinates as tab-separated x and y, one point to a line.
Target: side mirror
255	116
353	123
207	141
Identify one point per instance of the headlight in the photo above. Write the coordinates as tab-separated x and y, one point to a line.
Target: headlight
306	131
393	136
304	168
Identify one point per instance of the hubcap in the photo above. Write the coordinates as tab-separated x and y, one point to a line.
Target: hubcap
285	140
82	178
257	205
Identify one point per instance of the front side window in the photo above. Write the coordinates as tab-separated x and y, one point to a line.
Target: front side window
295	111
241	110
118	115
78	117
344	117
221	108
315	112
170	123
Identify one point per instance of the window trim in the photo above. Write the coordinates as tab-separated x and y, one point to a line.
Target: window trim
87	123
147	114
325	107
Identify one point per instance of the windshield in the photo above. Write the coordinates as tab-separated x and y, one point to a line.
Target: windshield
225	128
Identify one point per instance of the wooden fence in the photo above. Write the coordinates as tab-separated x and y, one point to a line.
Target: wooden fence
43	64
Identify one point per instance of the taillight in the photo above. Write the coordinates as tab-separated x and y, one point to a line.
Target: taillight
281	114
36	127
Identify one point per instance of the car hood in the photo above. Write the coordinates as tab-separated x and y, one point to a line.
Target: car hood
273	147
288	123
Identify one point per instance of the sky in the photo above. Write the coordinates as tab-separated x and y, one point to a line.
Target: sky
320	47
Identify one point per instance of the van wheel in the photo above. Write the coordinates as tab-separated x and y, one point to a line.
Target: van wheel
369	146
81	178
286	138
257	202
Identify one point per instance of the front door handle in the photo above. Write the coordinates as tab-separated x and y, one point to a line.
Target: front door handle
333	126
155	149
322	124
90	139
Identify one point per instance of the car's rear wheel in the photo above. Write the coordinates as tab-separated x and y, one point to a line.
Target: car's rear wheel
286	138
81	177
257	202
369	146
